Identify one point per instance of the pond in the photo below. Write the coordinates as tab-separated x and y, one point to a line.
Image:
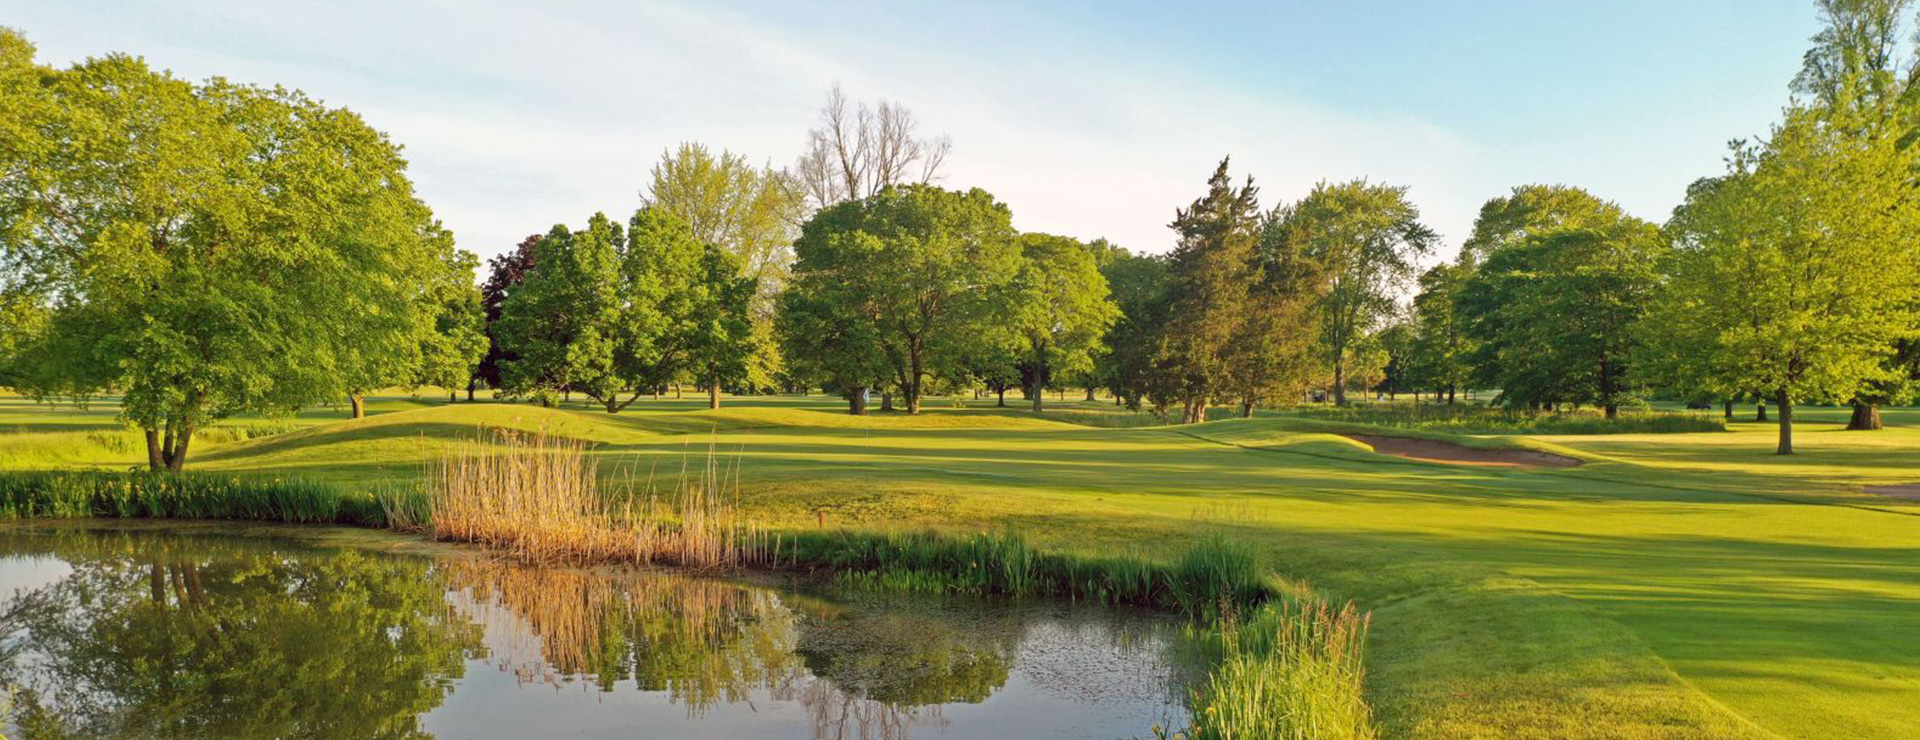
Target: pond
157	633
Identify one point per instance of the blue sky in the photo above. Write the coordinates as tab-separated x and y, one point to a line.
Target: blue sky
1088	118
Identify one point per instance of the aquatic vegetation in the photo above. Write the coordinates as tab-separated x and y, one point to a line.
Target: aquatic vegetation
1215	573
1293	670
539	497
76	494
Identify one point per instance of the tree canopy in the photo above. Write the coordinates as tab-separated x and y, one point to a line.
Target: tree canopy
205	249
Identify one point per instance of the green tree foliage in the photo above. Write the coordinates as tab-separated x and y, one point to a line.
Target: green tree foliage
1533	209
611	313
1272	354
1138	283
1441	348
568	324
206	250
505	273
752	213
911	280
1210	277
1856	61
1366	238
721	341
451	350
1819	224
1397	341
1062	309
1554	317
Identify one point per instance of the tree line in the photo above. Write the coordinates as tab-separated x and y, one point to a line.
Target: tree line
210	249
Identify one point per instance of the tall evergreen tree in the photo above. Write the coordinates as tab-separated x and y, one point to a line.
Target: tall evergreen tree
1209	278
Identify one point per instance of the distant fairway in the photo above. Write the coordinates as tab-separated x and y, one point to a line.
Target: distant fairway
1674	585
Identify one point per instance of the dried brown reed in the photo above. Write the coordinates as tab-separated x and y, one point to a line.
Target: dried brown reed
538	496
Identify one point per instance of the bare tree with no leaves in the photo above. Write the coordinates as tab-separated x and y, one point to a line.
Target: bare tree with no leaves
857	150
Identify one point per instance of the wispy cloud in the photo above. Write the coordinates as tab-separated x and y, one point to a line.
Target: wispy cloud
517	116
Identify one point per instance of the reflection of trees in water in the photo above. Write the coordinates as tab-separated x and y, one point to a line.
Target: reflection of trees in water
703	641
175	637
857	674
167	636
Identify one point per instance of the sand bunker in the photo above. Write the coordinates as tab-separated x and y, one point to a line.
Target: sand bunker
1448	452
1909	491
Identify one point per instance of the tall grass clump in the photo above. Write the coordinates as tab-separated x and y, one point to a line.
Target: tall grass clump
539	497
77	494
1293	671
1214	575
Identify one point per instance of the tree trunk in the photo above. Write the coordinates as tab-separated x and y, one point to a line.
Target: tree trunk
1090	393
1760	411
359	405
1003	397
1039	401
1866	417
1246	408
1727	410
470	384
452	397
676	392
1613	411
156	460
178	458
713	396
1786	424
857	402
886	400
1339	383
1450	389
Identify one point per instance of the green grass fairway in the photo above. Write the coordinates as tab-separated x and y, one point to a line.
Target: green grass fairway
1675	586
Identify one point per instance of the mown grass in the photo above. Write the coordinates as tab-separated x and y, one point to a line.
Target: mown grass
1686	585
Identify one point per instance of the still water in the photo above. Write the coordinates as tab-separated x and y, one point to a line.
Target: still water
162	634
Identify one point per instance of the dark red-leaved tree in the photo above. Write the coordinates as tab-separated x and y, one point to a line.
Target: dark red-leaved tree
504	273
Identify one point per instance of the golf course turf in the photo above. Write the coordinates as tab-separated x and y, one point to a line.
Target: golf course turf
1670	586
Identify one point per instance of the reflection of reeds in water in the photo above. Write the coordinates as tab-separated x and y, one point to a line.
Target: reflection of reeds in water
539	497
701	640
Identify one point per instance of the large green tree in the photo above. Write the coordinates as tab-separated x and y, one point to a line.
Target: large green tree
568	325
1440	350
1367	239
720	342
451	351
1062	308
1555	317
921	273
207	249
1857	61
1210	277
1819	225
1533	209
1138	283
752	213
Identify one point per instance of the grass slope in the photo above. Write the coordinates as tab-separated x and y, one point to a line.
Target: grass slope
1675	586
